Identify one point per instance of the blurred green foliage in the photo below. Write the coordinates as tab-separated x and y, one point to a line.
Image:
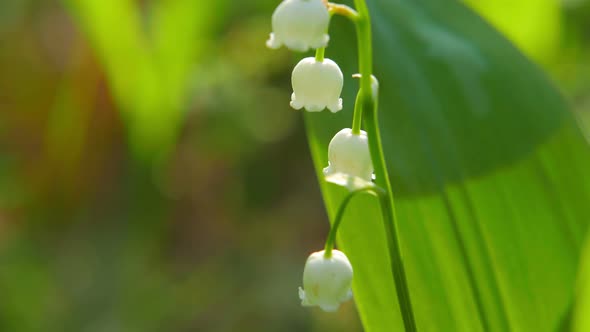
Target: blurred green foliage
152	174
152	178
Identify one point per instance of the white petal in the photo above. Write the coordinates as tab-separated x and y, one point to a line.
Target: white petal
314	108
273	42
295	45
303	298
295	103
351	183
346	297
336	106
330	307
322	42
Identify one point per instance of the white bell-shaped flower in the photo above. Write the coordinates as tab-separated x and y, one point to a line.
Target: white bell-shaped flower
349	158
300	25
317	85
326	281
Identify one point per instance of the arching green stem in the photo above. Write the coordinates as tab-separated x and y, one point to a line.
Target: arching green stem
357	116
334	229
365	53
366	109
389	220
343	10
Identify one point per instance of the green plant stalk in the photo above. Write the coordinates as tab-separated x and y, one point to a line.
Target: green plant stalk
368	109
334	229
319	54
357	116
388	213
343	10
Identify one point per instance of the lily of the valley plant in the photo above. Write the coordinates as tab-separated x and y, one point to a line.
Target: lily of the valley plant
356	159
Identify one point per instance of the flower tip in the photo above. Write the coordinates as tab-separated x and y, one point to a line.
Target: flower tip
348	296
322	42
336	107
272	42
314	108
297	46
329	307
295	103
350	182
303	298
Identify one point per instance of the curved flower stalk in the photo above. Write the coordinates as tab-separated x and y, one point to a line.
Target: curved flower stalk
300	25
353	154
317	85
327	279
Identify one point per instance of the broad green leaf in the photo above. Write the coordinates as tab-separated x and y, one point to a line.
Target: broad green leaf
581	309
533	25
488	168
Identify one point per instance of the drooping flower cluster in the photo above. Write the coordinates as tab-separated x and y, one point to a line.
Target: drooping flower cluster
317	83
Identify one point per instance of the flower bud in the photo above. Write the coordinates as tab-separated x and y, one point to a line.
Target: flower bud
374	85
317	85
349	154
300	25
326	281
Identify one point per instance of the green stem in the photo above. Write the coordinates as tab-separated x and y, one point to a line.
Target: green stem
357	116
343	10
334	229
388	212
368	109
319	54
365	51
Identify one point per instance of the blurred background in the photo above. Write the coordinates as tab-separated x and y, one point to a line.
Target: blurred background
153	176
